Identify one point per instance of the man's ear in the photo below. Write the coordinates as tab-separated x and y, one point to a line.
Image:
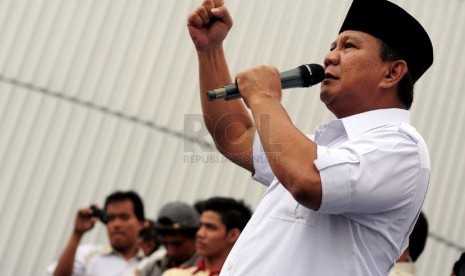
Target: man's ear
233	235
395	71
405	257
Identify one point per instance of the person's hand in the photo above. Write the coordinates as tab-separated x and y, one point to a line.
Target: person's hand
259	83
84	221
209	24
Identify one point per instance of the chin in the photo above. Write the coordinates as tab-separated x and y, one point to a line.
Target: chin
117	246
324	98
202	252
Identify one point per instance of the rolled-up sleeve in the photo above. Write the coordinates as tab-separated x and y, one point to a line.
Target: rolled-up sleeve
354	177
336	176
263	172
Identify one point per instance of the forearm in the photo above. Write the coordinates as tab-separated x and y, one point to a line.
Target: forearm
66	262
227	121
290	153
214	73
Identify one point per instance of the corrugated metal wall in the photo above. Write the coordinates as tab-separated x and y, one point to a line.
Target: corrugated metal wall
98	95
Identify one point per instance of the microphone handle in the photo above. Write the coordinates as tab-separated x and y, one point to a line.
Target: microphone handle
227	92
289	79
292	78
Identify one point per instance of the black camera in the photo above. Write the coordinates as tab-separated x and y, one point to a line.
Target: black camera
99	213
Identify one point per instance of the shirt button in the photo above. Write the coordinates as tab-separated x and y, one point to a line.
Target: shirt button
353	157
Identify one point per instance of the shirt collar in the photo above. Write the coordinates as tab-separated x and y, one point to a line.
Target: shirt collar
165	262
201	266
108	250
358	124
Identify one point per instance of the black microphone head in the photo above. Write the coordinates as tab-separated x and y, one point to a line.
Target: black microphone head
311	74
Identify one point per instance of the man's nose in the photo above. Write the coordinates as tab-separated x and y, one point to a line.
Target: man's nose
332	57
200	232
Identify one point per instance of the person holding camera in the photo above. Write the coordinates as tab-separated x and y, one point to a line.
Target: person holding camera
123	215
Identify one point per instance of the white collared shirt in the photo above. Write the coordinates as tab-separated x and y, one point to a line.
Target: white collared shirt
96	260
374	170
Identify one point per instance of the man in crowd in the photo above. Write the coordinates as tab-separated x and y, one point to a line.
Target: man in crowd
221	222
123	214
149	240
344	200
177	225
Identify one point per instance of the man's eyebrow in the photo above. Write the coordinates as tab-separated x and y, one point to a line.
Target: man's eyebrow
345	38
353	38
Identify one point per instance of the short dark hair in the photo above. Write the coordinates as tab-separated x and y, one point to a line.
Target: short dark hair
127	195
149	233
406	84
417	239
234	213
459	266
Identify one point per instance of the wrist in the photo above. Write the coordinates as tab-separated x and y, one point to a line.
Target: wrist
210	52
255	102
77	234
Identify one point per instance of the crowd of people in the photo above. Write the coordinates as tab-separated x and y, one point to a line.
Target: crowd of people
182	240
346	200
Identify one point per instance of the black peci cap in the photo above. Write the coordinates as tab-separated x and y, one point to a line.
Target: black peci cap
395	27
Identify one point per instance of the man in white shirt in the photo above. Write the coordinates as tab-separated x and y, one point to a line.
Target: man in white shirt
342	201
123	214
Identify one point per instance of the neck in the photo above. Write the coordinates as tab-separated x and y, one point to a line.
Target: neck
215	262
128	253
379	100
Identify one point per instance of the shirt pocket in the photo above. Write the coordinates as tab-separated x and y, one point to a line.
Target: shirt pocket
286	208
305	216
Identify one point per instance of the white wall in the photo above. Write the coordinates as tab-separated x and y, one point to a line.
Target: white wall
102	95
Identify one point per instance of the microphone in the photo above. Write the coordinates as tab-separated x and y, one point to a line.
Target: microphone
303	76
